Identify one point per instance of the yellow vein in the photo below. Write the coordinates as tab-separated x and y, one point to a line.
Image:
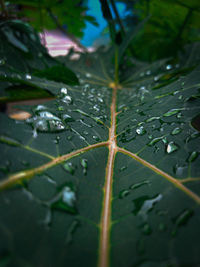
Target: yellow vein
105	223
186	180
104	72
176	182
38	152
96	83
29	173
93	75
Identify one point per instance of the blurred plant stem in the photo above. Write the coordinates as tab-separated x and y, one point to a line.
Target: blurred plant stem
3	8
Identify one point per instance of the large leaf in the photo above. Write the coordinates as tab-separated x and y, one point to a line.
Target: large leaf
106	174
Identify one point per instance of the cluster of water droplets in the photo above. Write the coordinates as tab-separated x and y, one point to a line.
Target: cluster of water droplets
44	120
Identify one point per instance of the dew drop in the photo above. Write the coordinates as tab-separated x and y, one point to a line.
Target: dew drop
69	196
124	193
84	164
148	72
171	147
63	91
146	229
28	76
140	130
123	168
181	219
169	67
152	119
2	62
145	204
137	185
95	137
67	99
154	141
171	112
193	156
65	200
179	115
88	75
176	130
165	140
68	166
67	118
162	227
179	169
57	139
60	108
72	228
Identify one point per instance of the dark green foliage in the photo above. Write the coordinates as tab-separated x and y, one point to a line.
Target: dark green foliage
55	164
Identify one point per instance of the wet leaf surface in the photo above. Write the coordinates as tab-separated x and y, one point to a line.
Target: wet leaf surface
105	173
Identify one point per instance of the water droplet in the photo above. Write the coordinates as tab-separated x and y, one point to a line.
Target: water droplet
137	185
165	140
140	130
171	147
67	99
183	218
123	168
39	108
171	112
179	170
60	108
88	75
169	67
16	76
84	164
154	141
145	204
85	132
162	227
67	118
124	193
176	130
148	72
146	229
193	156
72	228
28	76
57	139
69	196
95	137
63	91
2	62
179	115
152	119
45	121
69	167
65	200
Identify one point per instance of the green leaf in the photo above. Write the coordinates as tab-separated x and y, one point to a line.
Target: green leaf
58	73
107	173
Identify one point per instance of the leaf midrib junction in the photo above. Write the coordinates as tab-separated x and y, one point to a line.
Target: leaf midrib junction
105	221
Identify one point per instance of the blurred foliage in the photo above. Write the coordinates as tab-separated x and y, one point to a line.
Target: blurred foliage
46	14
171	26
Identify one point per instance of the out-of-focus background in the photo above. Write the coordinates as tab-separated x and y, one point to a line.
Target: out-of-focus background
80	24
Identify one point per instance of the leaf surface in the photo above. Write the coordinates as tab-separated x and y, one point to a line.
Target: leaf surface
106	174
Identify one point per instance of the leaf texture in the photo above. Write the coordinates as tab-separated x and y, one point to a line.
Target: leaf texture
106	174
